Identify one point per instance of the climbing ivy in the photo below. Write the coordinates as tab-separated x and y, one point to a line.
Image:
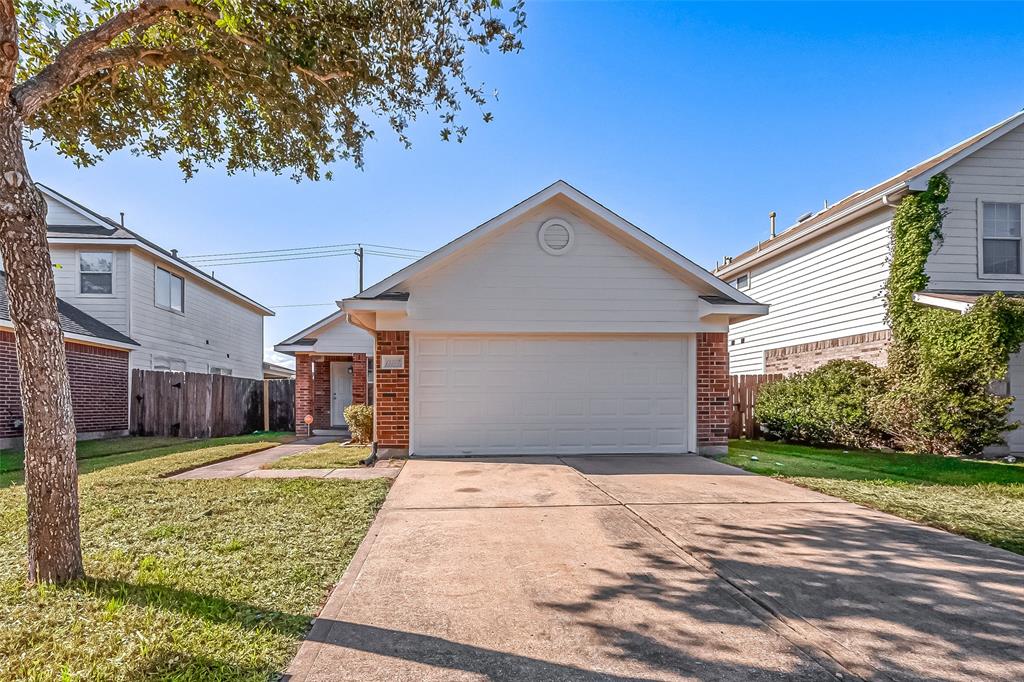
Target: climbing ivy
942	364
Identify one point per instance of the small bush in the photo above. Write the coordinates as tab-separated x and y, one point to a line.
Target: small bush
360	422
832	404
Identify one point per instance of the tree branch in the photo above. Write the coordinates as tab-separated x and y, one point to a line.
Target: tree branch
71	63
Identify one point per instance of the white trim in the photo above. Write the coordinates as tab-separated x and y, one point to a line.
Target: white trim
67	203
733	310
413	345
611	326
563	189
83	339
691	393
320	324
980	231
919	182
386	305
942	302
556	222
113	272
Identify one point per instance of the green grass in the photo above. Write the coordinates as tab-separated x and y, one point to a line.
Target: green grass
326	456
94	455
188	580
981	500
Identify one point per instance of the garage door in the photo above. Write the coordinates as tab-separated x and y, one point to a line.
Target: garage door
506	395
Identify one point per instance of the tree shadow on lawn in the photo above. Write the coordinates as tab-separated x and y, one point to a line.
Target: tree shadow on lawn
206	607
906	601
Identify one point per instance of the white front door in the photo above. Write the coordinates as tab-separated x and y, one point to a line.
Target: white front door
341	391
518	395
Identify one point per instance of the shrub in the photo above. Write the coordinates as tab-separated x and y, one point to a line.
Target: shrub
360	422
832	404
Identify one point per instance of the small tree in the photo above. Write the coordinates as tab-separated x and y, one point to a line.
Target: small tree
271	85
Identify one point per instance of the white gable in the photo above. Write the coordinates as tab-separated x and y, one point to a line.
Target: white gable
333	334
508	281
58	213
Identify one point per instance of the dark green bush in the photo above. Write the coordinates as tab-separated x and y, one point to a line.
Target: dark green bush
832	404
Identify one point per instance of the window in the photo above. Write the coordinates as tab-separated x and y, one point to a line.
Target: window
220	370
170	291
1001	240
169	364
742	282
96	272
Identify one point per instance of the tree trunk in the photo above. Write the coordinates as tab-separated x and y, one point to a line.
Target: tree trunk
51	473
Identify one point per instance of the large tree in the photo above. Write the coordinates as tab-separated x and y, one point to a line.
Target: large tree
268	85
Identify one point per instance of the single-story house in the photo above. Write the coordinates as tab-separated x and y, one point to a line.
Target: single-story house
555	327
98	361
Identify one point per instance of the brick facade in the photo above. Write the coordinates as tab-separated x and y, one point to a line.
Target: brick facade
313	387
713	408
99	388
391	419
872	347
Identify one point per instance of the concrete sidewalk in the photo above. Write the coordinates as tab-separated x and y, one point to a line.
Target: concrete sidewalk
251	466
656	568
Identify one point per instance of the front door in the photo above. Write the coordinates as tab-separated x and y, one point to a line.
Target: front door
341	391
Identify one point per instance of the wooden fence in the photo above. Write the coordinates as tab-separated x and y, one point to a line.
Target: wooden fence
742	394
193	405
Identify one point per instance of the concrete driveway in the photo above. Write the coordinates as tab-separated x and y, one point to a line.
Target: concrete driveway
657	568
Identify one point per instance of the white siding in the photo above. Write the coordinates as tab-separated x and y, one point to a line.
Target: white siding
507	279
993	173
829	288
212	328
113	309
59	214
341	337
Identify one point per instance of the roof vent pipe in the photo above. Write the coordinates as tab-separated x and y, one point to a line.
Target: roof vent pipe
771	220
122	219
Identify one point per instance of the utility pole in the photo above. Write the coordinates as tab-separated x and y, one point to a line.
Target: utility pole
359	255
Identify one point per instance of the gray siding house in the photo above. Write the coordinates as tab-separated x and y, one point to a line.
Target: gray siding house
181	318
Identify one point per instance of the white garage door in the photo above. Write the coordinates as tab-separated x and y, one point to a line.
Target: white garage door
507	395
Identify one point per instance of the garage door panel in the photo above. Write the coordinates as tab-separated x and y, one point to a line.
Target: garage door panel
531	395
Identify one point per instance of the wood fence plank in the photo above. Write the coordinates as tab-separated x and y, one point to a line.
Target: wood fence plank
743	390
195	405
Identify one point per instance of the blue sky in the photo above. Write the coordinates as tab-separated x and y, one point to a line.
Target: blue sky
691	120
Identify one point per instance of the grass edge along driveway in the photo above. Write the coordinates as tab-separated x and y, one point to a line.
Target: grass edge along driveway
188	580
94	455
977	499
325	456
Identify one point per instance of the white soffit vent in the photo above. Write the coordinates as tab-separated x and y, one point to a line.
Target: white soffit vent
555	236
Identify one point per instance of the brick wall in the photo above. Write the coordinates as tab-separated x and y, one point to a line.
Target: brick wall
313	387
713	408
872	347
99	387
391	388
359	379
303	391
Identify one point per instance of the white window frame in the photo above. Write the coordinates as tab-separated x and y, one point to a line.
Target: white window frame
736	282
223	371
163	364
156	284
981	201
113	272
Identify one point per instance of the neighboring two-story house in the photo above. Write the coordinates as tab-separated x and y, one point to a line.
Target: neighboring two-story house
181	318
823	278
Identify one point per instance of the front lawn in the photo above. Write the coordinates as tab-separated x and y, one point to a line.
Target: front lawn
981	500
188	580
94	455
326	456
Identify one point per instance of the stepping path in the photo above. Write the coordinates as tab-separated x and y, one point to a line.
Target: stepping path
251	466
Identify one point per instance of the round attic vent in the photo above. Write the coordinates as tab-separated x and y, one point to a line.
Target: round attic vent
555	236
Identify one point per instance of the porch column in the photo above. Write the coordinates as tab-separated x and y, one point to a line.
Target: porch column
713	410
359	378
391	402
303	391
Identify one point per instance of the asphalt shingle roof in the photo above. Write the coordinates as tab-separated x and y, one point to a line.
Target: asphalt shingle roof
72	320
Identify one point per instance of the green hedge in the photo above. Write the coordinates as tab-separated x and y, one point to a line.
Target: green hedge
833	404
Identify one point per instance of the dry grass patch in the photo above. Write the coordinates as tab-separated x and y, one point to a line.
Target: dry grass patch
326	456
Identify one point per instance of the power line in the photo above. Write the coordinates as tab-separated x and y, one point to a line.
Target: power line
302	305
298	250
271	258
